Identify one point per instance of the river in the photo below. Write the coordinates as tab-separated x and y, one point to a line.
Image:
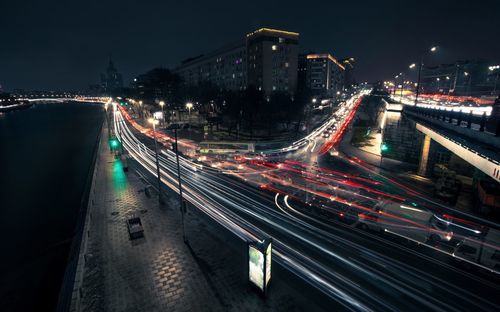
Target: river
45	156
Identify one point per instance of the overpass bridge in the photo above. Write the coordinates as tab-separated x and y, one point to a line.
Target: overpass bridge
473	137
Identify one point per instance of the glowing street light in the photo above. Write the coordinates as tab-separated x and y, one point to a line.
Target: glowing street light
493	68
189	105
420	65
412	65
162	103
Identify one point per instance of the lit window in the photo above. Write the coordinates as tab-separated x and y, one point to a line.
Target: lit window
286	64
274	88
274	47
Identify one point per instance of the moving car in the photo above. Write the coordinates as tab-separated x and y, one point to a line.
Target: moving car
483	251
407	222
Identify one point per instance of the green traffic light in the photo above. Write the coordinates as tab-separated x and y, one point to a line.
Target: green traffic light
384	147
114	143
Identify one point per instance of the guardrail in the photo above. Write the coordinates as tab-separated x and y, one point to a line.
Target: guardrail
457	117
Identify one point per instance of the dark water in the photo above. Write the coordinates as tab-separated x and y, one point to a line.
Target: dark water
45	156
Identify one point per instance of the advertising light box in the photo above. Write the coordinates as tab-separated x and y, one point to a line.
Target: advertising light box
259	264
268	264
256	267
158	115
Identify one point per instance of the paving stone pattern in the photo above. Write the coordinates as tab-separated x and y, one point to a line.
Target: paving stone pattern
159	272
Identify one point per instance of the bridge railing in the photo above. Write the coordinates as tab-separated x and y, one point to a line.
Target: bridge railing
458	118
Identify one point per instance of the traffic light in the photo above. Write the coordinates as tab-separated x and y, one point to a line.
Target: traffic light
114	143
384	147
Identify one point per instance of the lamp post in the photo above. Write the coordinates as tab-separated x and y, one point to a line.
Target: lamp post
162	103
181	200
397	86
140	109
154	122
107	118
495	68
466	74
189	105
420	65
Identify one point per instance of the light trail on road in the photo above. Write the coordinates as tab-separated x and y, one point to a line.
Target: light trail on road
336	266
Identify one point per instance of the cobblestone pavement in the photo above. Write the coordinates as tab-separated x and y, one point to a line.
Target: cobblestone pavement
154	273
159	272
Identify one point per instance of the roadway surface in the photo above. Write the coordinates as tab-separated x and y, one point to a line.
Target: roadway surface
360	269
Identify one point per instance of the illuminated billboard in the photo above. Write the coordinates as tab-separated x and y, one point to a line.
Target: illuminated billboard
158	115
259	264
268	264
256	267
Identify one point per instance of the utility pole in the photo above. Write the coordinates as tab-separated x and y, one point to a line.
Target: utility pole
181	200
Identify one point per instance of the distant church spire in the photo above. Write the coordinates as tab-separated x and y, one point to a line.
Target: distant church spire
112	80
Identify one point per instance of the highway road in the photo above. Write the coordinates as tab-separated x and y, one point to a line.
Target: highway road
361	270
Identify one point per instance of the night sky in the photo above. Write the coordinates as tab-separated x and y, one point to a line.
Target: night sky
64	44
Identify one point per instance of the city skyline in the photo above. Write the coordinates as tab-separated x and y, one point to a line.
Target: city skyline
250	155
148	38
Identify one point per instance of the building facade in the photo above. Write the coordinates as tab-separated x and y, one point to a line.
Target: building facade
225	68
265	59
469	78
324	74
272	60
348	64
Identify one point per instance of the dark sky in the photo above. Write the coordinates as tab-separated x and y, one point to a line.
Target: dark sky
65	44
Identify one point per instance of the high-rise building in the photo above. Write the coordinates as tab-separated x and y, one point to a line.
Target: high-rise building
225	68
272	60
112	80
348	64
324	74
265	59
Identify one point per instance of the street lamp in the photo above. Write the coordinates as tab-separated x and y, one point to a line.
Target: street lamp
495	68
140	108
469	82
107	118
189	105
420	65
154	122
162	112
181	200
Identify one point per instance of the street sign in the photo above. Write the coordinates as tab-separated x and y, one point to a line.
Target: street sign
259	264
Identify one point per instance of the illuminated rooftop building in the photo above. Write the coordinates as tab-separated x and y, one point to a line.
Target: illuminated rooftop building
266	59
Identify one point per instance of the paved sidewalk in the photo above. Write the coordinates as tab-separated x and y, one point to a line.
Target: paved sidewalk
159	272
155	273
